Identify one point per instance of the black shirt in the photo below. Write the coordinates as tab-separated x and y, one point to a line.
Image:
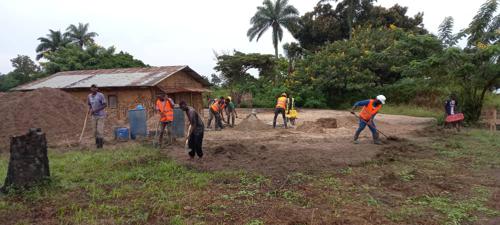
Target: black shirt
194	119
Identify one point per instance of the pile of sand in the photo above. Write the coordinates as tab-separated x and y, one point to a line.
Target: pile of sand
251	123
59	114
318	126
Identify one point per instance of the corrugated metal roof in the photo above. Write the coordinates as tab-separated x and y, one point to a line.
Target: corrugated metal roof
127	77
184	89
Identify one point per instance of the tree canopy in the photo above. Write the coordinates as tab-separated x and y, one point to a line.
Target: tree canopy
73	50
327	24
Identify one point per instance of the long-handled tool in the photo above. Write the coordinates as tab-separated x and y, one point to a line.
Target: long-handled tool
156	134
84	126
369	123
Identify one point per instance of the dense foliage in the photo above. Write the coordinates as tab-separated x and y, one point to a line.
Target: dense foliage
327	24
72	57
355	50
24	71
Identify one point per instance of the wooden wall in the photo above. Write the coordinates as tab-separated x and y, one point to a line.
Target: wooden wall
184	80
129	98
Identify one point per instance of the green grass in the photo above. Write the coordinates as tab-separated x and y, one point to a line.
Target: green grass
139	185
411	110
492	100
126	186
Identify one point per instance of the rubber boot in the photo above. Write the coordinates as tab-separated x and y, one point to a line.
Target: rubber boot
100	142
356	137
376	139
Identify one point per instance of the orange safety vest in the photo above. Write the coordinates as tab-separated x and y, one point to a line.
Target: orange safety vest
166	110
281	103
368	111
215	106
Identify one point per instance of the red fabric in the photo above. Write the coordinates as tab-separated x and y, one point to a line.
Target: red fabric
455	118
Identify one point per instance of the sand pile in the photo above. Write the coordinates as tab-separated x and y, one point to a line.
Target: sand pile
251	123
59	114
318	126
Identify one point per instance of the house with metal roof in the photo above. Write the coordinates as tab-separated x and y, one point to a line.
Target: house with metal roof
128	87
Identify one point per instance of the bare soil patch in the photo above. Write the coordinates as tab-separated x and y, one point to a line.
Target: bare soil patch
318	144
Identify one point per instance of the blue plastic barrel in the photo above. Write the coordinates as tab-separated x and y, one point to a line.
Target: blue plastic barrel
122	133
137	121
178	123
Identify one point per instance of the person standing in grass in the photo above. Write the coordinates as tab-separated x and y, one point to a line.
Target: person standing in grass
97	103
230	111
194	139
450	108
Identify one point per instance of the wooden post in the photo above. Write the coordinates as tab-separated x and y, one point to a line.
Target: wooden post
28	163
493	120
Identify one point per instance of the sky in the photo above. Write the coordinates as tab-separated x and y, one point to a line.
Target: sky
174	32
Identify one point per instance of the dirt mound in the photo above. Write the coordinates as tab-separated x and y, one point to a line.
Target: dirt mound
310	127
59	114
318	126
230	151
327	122
252	123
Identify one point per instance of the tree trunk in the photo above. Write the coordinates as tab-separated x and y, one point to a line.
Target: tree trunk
28	163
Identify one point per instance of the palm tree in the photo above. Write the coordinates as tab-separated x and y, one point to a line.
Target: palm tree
51	43
80	34
274	15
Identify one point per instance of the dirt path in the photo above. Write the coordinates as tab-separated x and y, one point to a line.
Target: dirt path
308	147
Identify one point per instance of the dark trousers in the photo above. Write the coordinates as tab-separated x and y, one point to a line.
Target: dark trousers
276	112
362	126
195	144
218	120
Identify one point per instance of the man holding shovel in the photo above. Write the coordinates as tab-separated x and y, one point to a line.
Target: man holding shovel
97	103
366	116
194	139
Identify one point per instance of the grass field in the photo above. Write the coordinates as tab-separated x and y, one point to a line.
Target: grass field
410	110
450	180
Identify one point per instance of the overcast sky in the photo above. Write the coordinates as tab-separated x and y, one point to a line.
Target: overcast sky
174	32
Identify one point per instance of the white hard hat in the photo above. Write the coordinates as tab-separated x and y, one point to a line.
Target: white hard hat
381	98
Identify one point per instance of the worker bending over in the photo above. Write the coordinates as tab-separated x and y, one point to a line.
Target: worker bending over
215	110
367	115
280	109
230	111
165	106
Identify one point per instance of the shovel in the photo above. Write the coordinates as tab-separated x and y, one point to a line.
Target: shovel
156	134
84	126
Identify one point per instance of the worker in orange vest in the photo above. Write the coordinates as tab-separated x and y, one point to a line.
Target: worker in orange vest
215	110
280	109
367	115
165	106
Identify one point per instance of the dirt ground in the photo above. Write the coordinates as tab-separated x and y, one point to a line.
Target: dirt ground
308	147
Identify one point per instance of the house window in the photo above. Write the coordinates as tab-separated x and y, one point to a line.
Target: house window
112	101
